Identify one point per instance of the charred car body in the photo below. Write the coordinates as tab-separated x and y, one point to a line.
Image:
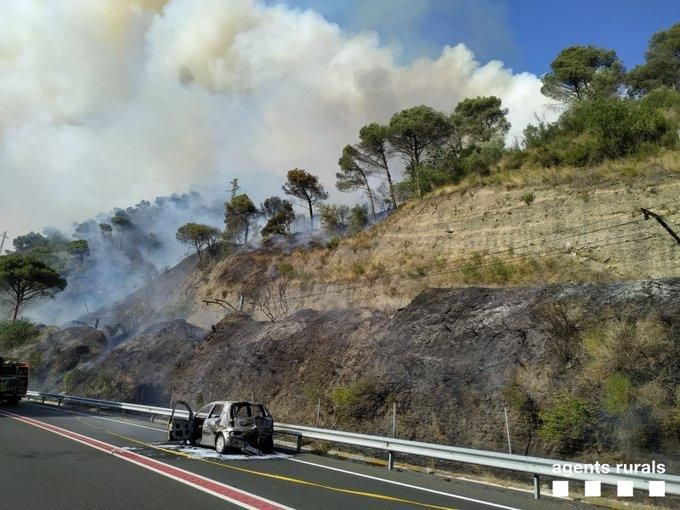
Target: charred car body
223	425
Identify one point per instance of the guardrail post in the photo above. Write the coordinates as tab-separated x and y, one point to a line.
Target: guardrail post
59	402
537	486
298	443
390	461
153	417
43	400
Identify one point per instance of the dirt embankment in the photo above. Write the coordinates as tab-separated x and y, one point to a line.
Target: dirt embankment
447	360
490	236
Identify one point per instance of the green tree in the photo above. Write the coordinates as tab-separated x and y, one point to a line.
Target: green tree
105	230
354	174
30	241
121	221
78	248
412	132
583	72
305	186
333	217
25	278
662	63
271	206
198	235
374	151
16	333
478	120
239	213
280	222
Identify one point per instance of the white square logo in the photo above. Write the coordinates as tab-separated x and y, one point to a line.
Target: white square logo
560	488
657	488
593	489
624	489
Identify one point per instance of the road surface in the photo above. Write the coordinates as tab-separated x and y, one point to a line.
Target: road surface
62	458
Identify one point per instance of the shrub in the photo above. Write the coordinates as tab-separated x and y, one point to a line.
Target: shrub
16	333
528	198
564	422
514	159
637	349
333	217
333	243
618	392
361	400
564	345
358	219
71	379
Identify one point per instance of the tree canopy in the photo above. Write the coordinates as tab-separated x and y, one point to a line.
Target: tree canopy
413	131
375	151
198	235
280	222
662	65
479	120
25	278
239	212
305	186
30	241
79	248
271	206
123	223
583	72
354	174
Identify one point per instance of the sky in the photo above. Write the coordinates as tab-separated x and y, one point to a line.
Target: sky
525	34
105	103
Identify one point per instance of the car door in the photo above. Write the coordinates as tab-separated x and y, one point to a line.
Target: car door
181	429
210	425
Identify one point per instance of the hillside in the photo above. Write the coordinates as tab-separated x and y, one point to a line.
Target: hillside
450	360
555	299
581	229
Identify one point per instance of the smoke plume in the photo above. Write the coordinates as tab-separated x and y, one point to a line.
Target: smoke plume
106	102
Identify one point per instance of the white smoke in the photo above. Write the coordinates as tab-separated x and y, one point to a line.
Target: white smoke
106	102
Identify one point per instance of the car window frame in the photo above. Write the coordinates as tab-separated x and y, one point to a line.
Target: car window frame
207	415
212	411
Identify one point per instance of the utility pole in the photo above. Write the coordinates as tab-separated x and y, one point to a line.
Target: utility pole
2	243
507	429
661	221
234	188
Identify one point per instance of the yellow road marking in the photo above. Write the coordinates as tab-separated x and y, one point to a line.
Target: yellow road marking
298	481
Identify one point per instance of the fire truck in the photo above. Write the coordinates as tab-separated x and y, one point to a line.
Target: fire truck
13	380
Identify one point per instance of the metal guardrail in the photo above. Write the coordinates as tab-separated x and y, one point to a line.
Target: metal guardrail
535	466
108	404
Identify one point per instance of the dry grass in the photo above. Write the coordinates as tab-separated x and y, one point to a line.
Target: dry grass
624	170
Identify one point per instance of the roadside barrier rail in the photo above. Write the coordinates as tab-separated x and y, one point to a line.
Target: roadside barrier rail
535	466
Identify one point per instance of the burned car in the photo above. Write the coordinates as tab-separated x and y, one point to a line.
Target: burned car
224	425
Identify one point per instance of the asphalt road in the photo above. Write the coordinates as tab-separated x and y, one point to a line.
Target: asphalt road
65	458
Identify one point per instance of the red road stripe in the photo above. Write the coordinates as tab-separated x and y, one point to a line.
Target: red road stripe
227	492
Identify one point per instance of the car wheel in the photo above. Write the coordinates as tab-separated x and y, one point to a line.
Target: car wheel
220	444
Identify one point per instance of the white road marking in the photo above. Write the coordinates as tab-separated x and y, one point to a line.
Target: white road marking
125	422
401	484
221	490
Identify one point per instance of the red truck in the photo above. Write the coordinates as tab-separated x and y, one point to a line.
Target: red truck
13	380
